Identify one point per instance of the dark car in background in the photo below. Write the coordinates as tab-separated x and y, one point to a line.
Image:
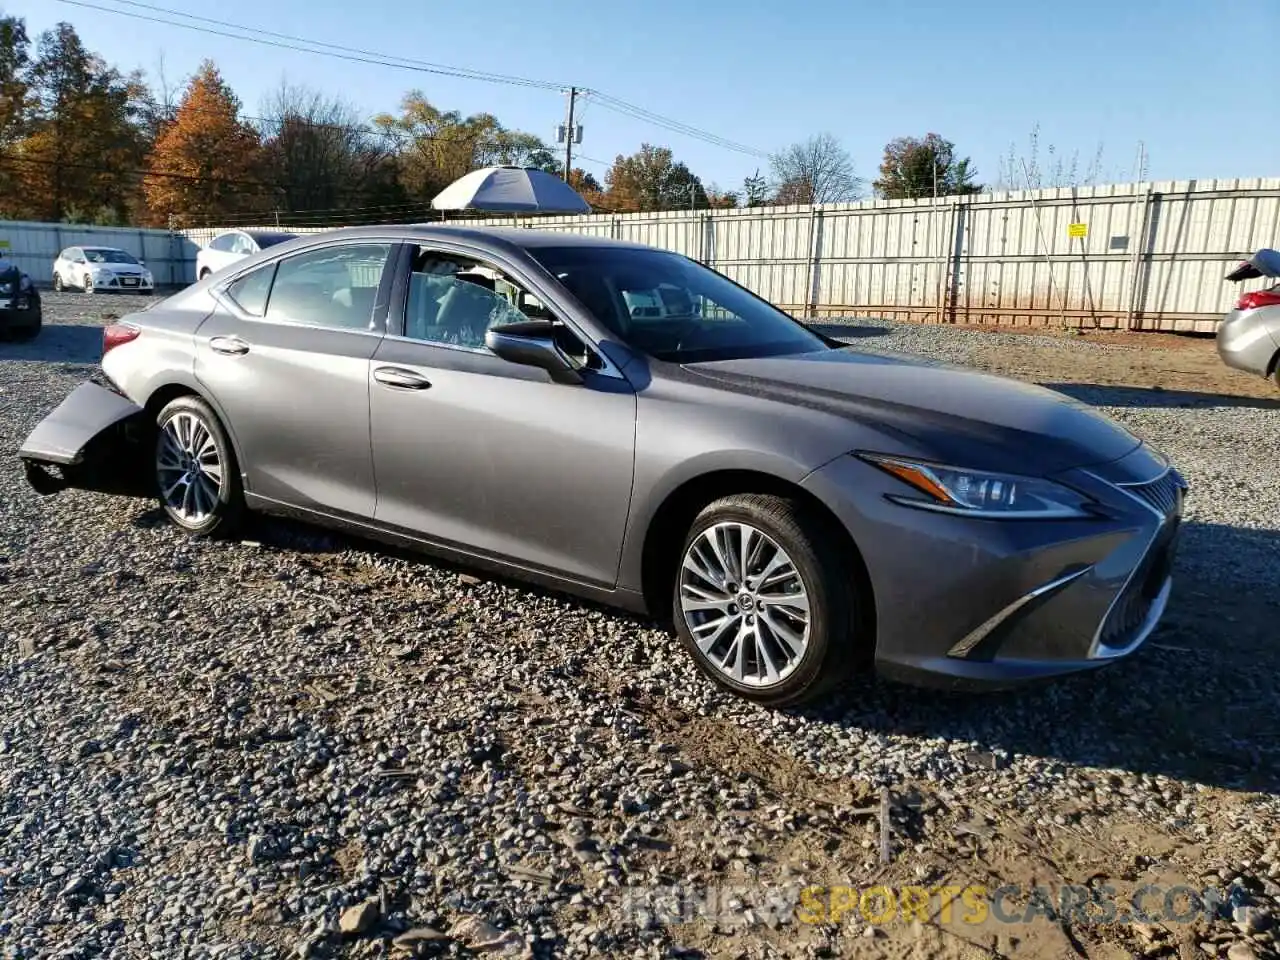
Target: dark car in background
20	308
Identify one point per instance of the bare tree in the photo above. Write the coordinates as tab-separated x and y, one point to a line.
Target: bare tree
318	151
1056	168
818	170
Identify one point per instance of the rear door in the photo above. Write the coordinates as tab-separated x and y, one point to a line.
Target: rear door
286	358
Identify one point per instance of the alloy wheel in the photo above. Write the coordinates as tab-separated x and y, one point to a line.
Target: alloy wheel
745	603
189	468
57	282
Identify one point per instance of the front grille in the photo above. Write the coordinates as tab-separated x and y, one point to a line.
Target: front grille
1132	608
1163	494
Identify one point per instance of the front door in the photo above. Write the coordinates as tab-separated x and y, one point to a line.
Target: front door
286	358
487	456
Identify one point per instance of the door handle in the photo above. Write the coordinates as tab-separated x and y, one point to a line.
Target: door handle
232	346
402	379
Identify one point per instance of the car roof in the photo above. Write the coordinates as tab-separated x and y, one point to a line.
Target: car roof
494	237
97	246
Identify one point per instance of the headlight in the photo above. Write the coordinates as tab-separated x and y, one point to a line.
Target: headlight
977	493
146	275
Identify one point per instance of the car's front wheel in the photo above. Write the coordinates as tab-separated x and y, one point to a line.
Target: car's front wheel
87	285
766	600
197	479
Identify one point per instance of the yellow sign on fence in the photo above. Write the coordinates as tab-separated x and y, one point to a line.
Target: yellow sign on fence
1077	229
4	244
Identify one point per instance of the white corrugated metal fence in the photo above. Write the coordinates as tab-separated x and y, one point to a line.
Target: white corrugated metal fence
1146	256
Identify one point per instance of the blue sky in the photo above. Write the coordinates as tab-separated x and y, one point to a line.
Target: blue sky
1195	80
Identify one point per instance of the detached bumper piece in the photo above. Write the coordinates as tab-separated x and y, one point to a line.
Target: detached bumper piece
94	440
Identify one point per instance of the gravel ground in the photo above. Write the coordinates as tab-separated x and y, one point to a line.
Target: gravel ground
299	744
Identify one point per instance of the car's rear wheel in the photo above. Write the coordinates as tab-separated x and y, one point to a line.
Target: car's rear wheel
765	600
204	273
57	282
197	479
1275	369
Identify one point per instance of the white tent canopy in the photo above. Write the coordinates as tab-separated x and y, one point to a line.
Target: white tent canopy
511	189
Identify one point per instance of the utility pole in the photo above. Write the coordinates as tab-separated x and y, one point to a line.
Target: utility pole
568	134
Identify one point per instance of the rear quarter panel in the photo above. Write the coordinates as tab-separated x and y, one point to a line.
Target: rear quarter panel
163	354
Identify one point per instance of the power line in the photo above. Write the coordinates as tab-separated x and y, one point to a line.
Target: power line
336	51
372	58
99	168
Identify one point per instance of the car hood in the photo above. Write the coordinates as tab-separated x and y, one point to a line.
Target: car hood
955	414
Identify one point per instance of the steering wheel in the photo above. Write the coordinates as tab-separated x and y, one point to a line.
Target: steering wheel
694	335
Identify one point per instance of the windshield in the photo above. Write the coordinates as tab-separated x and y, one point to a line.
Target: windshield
103	255
671	307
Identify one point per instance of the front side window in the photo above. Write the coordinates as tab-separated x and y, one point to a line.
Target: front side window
671	307
250	291
454	301
331	287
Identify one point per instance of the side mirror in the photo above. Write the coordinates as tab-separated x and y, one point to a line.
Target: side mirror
532	343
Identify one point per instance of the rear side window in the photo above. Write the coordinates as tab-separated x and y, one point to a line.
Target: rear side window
331	287
250	291
223	242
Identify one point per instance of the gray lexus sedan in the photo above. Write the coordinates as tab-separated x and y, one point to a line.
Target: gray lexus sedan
623	423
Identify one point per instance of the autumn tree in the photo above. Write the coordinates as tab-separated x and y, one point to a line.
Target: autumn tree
818	170
718	199
82	144
206	164
928	167
588	187
651	179
15	56
436	147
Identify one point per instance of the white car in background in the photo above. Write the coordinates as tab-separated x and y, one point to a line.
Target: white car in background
234	245
101	268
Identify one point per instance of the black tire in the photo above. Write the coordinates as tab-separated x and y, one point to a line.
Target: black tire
1275	369
203	274
838	623
88	284
31	330
57	282
227	515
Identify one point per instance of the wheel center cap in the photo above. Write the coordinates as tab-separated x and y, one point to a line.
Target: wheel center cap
746	602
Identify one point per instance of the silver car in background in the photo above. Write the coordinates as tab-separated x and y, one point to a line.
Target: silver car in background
1249	336
624	423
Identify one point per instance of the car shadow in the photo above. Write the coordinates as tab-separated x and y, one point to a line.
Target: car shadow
57	343
1197	702
1107	395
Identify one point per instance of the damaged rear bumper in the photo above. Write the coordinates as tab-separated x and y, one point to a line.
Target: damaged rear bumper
96	440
